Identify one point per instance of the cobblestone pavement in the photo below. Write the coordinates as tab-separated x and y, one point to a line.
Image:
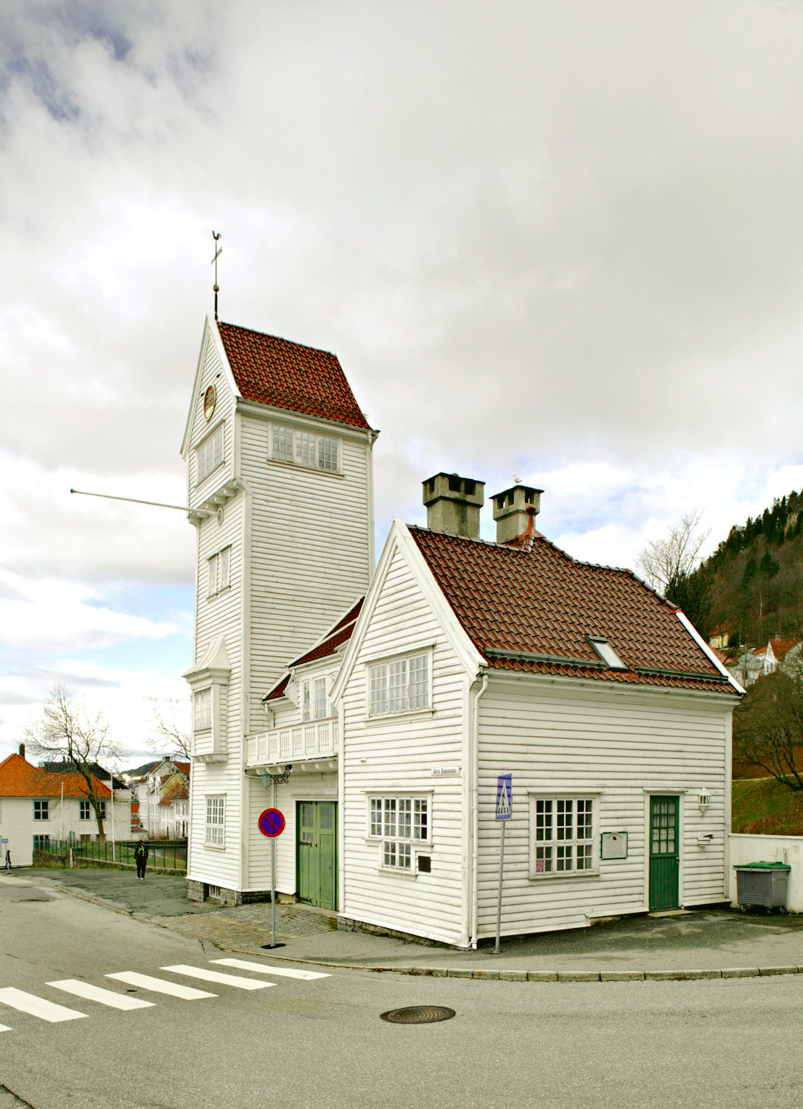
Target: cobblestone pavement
250	925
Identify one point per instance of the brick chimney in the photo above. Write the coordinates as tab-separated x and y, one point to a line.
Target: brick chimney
453	504
511	511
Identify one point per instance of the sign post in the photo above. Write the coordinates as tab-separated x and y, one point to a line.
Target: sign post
271	824
504	810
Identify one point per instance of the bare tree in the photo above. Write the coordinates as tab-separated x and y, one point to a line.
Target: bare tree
66	732
664	561
171	724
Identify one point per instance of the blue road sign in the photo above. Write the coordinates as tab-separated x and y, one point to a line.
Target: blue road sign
504	797
271	823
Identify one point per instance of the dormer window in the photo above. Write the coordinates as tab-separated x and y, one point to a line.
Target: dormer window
606	652
304	448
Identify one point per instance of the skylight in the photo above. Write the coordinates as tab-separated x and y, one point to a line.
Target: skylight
606	653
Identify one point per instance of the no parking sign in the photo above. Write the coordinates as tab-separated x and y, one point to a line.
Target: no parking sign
271	823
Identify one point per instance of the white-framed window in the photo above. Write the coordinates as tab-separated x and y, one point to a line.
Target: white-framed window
215	817
399	823
41	843
219	575
41	810
315	699
305	448
209	454
562	835
402	685
202	709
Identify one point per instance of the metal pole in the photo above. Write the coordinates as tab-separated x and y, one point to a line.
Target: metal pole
273	870
499	899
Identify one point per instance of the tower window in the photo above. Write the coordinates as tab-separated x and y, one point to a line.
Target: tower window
304	448
209	454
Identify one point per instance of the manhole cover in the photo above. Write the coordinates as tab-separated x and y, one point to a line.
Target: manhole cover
418	1014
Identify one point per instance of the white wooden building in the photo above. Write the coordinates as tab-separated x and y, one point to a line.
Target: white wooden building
38	806
280	486
380	727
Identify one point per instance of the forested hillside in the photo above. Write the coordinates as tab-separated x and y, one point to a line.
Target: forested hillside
752	585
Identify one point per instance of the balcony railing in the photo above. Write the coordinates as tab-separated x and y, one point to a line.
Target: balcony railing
314	740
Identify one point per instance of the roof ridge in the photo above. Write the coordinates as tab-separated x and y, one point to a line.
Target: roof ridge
278	338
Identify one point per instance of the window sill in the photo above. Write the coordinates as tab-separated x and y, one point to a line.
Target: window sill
307	469
406	714
220	592
551	875
215	846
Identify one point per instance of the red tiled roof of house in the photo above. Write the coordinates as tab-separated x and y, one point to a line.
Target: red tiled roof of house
781	646
338	635
274	371
184	767
19	779
534	609
179	791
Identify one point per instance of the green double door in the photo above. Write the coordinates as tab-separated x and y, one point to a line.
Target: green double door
316	853
664	853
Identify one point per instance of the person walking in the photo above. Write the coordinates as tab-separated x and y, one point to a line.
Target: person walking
8	858
141	858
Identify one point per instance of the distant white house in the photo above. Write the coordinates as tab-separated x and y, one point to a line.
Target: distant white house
38	806
757	662
155	816
393	716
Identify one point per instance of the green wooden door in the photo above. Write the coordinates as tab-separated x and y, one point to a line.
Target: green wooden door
316	852
664	853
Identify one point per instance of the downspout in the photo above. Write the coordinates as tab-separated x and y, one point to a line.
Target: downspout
473	772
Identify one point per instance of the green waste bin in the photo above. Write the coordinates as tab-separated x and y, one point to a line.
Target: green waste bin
762	884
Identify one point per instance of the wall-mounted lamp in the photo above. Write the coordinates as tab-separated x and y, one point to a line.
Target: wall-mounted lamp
703	800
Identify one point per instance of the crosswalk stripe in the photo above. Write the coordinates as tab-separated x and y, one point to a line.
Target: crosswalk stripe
261	968
217	976
97	993
37	1006
159	985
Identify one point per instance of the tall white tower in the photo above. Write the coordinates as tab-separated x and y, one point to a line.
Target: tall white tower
279	463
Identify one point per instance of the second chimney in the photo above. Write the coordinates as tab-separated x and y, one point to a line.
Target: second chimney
510	511
453	504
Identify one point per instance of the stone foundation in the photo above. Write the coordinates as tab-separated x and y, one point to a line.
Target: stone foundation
199	891
347	924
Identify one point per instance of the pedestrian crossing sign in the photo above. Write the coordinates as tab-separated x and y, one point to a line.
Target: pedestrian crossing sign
504	797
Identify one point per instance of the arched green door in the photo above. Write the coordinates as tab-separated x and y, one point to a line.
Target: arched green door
316	853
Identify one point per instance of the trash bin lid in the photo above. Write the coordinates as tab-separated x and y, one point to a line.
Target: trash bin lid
761	866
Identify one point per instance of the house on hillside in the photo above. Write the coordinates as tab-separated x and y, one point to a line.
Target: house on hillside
39	805
755	663
384	708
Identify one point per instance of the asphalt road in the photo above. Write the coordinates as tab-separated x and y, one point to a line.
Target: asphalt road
320	1042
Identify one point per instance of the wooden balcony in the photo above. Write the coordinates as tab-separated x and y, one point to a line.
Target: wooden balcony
303	745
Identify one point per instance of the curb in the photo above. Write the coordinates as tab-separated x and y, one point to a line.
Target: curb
567	976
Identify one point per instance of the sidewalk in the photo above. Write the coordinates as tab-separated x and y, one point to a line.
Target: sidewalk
700	944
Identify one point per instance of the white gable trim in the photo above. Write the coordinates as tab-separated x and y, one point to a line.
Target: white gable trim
210	335
701	643
399	539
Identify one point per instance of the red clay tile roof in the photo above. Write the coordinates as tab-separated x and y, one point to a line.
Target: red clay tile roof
334	638
288	375
533	610
19	779
179	791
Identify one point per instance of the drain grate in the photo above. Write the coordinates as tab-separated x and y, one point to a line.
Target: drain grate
418	1014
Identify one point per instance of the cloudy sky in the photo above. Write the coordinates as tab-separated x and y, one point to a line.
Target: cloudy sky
557	240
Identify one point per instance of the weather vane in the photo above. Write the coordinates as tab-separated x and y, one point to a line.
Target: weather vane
216	235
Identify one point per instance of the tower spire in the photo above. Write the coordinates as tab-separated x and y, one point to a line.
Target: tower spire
216	235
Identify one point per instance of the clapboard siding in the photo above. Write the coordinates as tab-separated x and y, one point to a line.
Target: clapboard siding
619	744
224	410
18	826
310	550
397	754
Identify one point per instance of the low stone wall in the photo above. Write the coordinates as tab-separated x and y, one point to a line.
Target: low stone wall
199	891
770	849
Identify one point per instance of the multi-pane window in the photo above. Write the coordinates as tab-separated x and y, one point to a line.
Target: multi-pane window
41	810
399	686
41	843
314	699
305	448
400	822
209	454
563	834
202	707
85	810
214	821
219	571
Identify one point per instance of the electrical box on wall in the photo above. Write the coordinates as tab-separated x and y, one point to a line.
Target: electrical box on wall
613	845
